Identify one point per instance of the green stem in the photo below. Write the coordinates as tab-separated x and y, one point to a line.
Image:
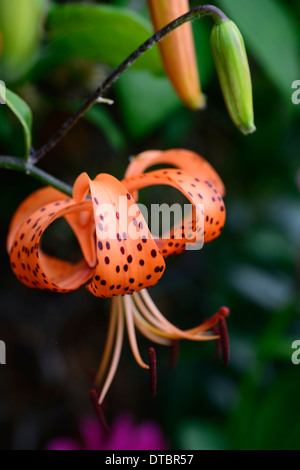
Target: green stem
14	163
198	12
29	167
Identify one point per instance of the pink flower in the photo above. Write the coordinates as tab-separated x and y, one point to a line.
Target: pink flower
124	435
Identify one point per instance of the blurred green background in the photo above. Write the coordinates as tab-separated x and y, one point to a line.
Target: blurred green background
54	342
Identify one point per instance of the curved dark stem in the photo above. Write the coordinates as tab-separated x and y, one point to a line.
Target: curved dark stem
198	12
14	163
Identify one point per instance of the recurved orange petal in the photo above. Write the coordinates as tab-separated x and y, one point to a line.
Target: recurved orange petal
208	216
128	258
81	222
186	160
34	201
30	264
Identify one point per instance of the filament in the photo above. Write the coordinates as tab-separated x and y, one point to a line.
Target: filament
116	353
131	332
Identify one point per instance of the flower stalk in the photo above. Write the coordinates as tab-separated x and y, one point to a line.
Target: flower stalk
198	12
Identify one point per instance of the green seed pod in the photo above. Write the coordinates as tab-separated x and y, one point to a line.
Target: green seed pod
20	28
233	70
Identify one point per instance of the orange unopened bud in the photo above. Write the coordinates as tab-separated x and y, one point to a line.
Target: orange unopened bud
178	51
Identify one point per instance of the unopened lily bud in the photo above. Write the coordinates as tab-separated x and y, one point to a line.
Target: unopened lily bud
233	69
178	51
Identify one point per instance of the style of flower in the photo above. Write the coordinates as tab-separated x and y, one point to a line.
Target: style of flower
121	266
125	434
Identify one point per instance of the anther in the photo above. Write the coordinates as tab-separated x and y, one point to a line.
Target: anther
152	371
224	312
98	409
224	340
216	331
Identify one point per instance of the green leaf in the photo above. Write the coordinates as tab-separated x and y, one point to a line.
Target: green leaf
146	101
270	34
100	33
21	111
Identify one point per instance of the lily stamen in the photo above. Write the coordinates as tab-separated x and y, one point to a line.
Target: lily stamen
131	332
139	311
224	341
98	409
109	343
145	328
152	371
116	352
217	352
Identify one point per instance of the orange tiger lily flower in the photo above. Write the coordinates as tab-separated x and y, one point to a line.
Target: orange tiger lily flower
178	51
120	266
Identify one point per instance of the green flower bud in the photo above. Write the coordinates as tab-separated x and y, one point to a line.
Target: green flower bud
233	70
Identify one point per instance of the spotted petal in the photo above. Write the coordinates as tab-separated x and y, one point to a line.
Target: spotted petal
186	160
128	258
33	267
206	202
79	221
